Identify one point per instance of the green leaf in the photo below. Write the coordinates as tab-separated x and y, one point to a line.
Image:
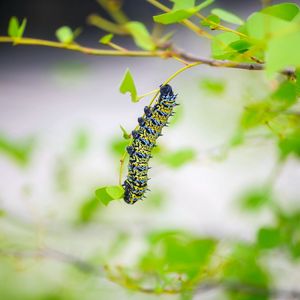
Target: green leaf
213	86
178	15
118	146
177	252
257	114
108	193
283	52
227	16
243	267
290	144
255	199
88	209
285	95
81	141
211	21
20	152
65	34
14	29
179	4
127	85
126	135
285	11
268	237
140	34
220	45
22	28
240	46
106	39
178	158
264	27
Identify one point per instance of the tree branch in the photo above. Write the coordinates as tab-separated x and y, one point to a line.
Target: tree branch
166	53
203	287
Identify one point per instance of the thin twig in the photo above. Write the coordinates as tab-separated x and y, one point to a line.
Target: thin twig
141	53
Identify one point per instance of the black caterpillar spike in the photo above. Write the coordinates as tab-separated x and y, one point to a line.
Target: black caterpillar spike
144	140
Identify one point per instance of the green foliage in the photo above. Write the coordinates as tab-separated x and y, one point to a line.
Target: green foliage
65	35
255	199
88	209
182	10
128	85
81	141
106	39
290	144
140	35
19	151
179	252
221	45
213	86
227	16
108	193
178	158
243	268
211	21
268	237
118	146
15	29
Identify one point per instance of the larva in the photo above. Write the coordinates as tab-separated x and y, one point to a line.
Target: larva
144	140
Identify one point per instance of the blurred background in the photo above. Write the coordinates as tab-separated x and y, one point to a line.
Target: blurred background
60	139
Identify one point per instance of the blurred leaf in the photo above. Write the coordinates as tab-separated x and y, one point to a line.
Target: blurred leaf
128	85
106	39
268	237
285	11
62	174
211	21
227	16
15	29
179	4
285	94
155	199
88	209
178	158
140	34
282	52
118	146
263	27
126	135
180	12
220	45
290	144
213	86
2	213
20	152
288	224
173	251
65	34
243	268
81	141
257	114
108	193
240	46
255	199
237	139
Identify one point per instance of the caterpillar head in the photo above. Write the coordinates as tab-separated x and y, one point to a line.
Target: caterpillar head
166	90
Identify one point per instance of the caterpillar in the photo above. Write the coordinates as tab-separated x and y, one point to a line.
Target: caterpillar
144	140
